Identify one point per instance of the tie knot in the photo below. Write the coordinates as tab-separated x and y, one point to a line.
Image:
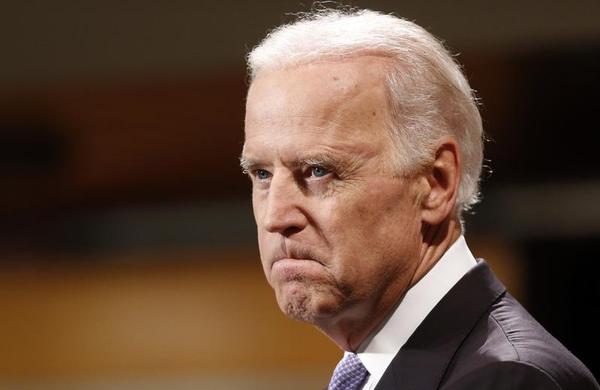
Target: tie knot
349	374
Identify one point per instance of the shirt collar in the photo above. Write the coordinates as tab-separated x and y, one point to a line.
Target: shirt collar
379	351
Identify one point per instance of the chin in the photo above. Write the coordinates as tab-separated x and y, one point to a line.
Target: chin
307	304
298	310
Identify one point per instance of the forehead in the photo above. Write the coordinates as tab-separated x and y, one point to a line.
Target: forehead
341	102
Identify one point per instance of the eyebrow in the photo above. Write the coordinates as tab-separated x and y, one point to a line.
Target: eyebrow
246	164
325	159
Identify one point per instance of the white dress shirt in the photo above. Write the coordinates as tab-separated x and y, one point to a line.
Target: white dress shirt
378	351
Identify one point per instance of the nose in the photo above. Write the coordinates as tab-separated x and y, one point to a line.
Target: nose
284	212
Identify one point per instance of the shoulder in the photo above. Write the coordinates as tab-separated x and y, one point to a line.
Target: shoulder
504	375
508	347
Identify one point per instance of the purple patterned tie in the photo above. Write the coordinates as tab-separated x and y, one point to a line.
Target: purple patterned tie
349	374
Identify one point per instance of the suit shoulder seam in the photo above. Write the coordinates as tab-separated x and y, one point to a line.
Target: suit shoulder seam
522	361
506	335
539	369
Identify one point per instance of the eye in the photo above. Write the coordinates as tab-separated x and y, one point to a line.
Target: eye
318	171
261	174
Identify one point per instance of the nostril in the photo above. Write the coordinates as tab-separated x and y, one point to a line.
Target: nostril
290	231
285	221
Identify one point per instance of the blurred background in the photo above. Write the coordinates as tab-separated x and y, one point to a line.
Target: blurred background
127	244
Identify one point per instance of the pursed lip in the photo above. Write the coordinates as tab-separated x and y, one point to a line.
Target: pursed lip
294	261
294	253
295	269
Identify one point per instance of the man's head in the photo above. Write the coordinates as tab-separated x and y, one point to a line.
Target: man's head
428	96
363	142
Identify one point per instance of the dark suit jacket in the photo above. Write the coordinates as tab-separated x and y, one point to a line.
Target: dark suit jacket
479	337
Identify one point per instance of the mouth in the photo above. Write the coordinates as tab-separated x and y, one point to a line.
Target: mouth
297	256
296	263
284	261
291	252
295	269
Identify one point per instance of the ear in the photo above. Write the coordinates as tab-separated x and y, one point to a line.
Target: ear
443	178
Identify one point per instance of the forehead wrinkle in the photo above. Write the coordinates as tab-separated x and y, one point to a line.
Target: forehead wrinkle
293	120
282	130
339	112
290	153
340	86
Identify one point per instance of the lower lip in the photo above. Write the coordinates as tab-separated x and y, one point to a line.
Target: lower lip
294	268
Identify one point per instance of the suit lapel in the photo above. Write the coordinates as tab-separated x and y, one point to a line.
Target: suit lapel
423	360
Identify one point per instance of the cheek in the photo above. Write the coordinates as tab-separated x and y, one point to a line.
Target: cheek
372	208
373	225
258	211
257	206
264	250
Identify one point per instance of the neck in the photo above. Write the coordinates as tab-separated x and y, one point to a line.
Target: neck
436	241
354	327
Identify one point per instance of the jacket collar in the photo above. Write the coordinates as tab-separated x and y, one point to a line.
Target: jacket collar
423	360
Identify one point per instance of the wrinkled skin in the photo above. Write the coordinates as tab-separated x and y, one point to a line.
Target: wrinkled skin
339	233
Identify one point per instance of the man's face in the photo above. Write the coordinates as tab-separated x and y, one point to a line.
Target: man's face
338	232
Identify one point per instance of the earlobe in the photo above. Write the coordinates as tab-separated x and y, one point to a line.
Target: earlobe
443	178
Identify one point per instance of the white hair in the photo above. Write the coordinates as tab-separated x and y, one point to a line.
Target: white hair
429	96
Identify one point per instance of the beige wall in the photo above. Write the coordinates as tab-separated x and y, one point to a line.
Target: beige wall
150	318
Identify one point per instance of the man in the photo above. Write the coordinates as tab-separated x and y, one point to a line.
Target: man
364	146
